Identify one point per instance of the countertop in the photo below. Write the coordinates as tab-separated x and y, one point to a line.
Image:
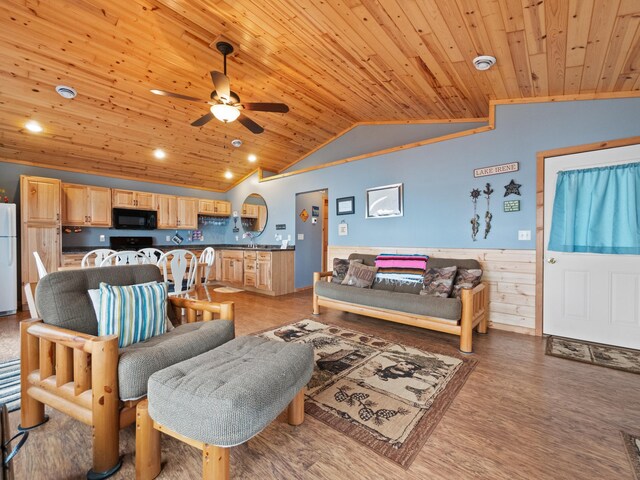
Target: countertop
191	246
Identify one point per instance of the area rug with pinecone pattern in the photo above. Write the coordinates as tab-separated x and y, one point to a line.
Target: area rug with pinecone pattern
385	395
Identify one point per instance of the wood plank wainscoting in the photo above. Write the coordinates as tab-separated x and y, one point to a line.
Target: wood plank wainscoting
511	275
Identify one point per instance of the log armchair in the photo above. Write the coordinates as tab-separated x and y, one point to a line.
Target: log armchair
65	365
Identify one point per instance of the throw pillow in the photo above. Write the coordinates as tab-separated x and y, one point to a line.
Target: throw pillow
133	312
466	278
360	275
94	295
438	282
340	268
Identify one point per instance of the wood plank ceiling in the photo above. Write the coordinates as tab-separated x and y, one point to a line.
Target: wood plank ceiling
333	62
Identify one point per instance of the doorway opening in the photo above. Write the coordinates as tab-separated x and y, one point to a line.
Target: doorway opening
312	213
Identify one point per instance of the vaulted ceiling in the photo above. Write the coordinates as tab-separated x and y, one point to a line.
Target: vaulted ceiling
334	62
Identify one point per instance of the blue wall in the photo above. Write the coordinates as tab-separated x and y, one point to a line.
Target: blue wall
308	254
439	177
372	138
10	182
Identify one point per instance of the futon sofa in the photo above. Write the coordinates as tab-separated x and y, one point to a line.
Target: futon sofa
66	365
402	303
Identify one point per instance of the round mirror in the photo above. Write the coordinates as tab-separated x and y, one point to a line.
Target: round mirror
254	214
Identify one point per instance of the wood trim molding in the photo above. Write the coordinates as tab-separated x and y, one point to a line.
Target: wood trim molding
541	158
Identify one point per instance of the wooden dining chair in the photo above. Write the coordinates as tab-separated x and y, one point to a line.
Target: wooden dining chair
127	257
207	259
95	257
179	268
153	254
42	270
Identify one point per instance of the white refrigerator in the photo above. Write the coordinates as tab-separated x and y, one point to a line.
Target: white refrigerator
8	260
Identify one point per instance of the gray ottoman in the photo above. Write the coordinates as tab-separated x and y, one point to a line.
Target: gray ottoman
222	398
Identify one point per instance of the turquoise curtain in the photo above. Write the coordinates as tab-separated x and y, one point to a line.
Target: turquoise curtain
597	210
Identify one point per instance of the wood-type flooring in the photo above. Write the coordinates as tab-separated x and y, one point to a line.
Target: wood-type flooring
520	415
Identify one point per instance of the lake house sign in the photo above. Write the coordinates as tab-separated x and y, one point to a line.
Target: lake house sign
496	169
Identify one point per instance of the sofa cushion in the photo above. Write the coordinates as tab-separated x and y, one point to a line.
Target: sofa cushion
438	282
340	269
63	300
134	313
139	361
466	278
359	275
443	308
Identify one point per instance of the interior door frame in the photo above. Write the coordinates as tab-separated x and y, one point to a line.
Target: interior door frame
540	166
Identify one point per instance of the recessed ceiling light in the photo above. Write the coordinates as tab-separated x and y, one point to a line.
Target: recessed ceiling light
159	153
33	126
66	92
236	142
252	158
484	62
228	174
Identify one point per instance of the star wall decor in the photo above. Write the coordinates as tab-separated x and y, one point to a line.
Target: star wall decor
512	189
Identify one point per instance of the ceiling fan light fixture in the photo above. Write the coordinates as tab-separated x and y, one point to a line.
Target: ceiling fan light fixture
225	113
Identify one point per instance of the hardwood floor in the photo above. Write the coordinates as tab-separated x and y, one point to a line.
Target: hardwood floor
521	414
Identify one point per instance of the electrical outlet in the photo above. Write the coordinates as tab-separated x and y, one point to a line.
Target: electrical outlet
301	236
524	235
168	238
103	238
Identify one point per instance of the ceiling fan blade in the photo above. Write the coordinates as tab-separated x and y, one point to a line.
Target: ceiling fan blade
266	107
177	95
250	124
221	84
203	119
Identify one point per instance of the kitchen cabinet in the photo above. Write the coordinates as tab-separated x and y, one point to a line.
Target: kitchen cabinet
232	266
214	207
177	212
263	271
167	207
40	199
133	199
250	258
187	213
84	205
40	229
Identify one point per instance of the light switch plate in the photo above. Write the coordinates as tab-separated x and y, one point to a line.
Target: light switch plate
168	238
524	235
301	236
103	238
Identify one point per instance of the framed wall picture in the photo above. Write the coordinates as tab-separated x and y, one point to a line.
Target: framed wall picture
345	206
384	202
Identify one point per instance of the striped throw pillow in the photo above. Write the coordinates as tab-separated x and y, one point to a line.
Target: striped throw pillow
133	312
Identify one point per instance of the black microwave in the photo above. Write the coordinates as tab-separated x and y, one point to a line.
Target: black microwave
126	219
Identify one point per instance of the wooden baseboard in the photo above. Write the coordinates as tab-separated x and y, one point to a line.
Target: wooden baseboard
512	328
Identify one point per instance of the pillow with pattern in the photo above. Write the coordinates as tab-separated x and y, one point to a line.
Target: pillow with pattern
466	278
438	282
360	275
340	268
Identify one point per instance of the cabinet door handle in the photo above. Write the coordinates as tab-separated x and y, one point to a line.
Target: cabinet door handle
57	216
89	218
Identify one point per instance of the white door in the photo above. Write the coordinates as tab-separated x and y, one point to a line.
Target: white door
590	296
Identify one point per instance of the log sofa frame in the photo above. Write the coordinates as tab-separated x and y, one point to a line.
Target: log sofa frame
474	313
77	374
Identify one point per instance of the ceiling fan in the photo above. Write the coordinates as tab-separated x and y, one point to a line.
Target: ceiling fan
225	104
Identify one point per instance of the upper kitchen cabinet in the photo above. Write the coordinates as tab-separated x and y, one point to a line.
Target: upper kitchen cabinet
187	213
40	199
133	199
214	208
84	205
